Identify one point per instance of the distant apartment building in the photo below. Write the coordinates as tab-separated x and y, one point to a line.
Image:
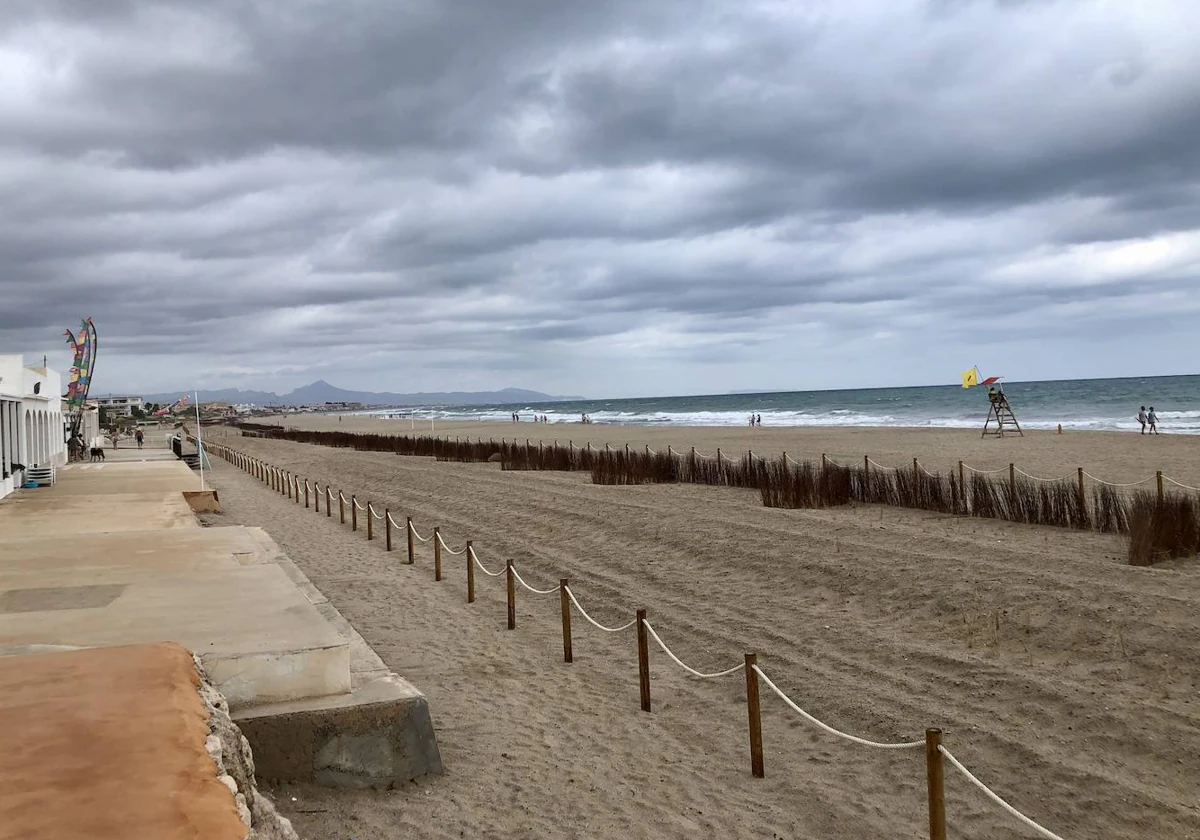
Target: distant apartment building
119	406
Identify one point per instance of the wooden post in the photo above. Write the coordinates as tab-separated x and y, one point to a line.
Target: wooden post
306	494
353	512
1082	494
916	470
316	497
387	529
291	479
1158	475
296	482
867	465
512	594
328	502
643	660
824	460
470	573
370	522
627	450
412	555
437	553
565	603
341	507
935	774
1012	479
718	456
754	712
962	487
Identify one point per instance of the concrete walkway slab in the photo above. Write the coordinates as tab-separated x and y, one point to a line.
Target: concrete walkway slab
39	513
260	638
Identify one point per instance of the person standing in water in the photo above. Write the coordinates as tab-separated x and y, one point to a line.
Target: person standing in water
1142	419
1152	419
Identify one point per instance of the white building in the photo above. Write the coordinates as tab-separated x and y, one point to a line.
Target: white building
31	420
123	406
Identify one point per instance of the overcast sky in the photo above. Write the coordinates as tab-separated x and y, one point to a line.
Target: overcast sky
610	197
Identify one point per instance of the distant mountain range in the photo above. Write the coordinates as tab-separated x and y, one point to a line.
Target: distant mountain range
321	391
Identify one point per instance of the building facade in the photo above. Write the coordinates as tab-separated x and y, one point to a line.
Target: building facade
119	406
31	420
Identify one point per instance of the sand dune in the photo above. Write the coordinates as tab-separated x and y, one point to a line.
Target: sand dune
1062	677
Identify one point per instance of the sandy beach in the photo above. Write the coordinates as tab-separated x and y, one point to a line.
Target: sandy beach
1065	679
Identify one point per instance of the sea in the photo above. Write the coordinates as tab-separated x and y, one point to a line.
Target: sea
1085	404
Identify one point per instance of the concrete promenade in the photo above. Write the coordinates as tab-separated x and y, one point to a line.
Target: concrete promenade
113	555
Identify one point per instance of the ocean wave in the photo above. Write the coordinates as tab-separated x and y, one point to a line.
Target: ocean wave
1185	422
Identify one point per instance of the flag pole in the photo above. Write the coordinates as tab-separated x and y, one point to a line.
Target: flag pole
199	439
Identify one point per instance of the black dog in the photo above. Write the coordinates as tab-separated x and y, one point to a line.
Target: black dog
97	453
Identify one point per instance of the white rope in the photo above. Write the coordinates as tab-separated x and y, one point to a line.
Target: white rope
448	548
907	745
1086	474
521	581
1045	832
373	513
650	451
1020	471
482	567
927	472
686	667
881	466
700	454
1177	484
594	622
343	498
415	534
359	505
395	524
982	472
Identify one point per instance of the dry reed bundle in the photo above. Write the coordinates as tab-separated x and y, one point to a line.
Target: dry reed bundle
1160	529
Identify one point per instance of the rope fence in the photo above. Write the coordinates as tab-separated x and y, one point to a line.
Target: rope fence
935	751
654	635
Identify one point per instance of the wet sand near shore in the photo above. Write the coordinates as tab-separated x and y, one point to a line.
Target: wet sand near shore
1065	679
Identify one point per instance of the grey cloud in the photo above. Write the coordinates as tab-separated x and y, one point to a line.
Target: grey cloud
435	192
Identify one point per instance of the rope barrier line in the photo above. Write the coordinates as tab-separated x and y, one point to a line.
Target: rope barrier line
412	528
983	472
1020	471
685	666
1177	484
1111	484
483	568
875	463
447	548
907	745
395	524
990	794
521	581
594	622
376	515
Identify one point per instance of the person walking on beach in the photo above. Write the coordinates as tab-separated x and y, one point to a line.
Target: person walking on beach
1142	419
141	437
1152	419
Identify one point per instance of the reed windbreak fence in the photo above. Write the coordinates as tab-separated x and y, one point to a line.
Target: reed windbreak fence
1162	522
936	754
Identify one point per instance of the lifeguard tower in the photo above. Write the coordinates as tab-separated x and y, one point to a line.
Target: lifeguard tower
1001	414
1000	419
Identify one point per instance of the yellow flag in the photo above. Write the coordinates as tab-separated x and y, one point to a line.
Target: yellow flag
970	378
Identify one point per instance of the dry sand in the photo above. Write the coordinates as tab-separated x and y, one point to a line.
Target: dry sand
1064	678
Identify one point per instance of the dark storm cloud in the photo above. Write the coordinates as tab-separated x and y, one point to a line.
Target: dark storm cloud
438	194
